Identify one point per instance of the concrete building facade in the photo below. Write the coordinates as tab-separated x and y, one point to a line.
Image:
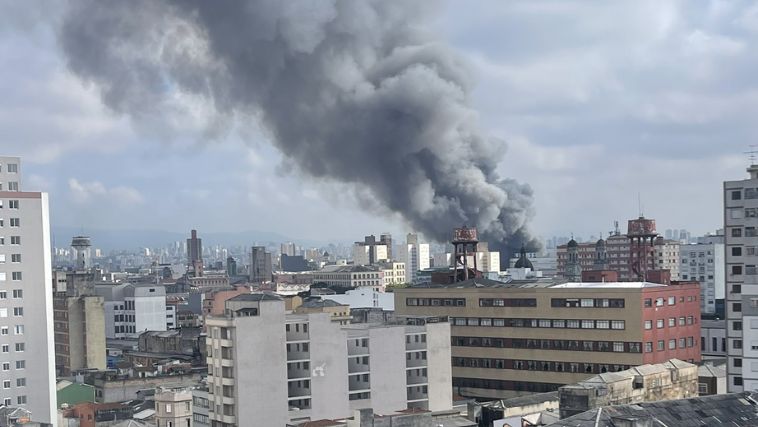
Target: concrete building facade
301	367
350	276
131	309
741	294
415	255
261	267
704	263
27	347
173	407
513	339
79	327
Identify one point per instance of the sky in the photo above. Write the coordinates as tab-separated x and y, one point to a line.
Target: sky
604	108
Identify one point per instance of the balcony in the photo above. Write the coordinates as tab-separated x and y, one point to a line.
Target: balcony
415	359
297	332
417	393
357	346
416	376
358	364
298	355
298	370
415	342
298	389
359	382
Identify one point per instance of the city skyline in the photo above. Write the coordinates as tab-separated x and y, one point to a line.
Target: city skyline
560	119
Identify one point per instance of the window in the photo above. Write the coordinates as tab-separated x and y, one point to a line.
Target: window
602	324
649	347
737	325
3	295
736	195
572	323
559	323
588	324
736	232
672	344
648	324
15	222
587	302
19	330
736	307
18	293
13	204
682	321
618	347
672	300
16	258
15	240
7	384
16	275
672	322
20	347
659	323
736	289
737	344
4	330
6	366
12	168
18	311
20	364
682	343
20	382
738	381
617	324
659	302
648	302
737	251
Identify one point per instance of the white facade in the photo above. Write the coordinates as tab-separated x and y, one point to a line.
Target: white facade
354	276
704	263
667	256
365	298
288	367
26	306
393	272
741	258
416	257
131	309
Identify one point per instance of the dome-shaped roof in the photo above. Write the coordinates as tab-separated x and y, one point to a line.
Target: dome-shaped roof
572	244
600	242
523	261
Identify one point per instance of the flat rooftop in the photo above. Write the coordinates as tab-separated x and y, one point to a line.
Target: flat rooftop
602	285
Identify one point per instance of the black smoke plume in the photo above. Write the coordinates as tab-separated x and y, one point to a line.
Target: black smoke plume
351	91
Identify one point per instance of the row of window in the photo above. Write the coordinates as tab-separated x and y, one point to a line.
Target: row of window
17	293
123	318
20	400
20	347
10	167
749	270
12	204
15	258
672	322
684	342
546	344
14	222
539	323
124	329
659	302
17	330
15	240
507	302
15	275
537	365
20	382
748	232
17	311
436	302
20	364
534	387
588	302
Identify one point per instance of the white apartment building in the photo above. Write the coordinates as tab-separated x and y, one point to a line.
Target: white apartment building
131	309
26	298
394	272
740	242
350	276
266	364
704	263
364	254
173	407
416	257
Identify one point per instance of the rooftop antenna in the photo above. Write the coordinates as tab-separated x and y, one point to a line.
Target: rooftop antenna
639	204
752	154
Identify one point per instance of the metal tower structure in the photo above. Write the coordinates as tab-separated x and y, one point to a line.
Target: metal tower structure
641	233
464	244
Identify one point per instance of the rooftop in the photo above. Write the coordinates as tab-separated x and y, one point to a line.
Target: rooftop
255	297
601	285
348	269
736	409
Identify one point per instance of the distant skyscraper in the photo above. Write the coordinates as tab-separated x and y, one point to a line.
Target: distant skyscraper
288	249
386	239
261	269
26	305
195	254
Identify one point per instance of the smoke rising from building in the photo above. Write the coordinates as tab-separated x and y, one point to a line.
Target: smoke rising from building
351	91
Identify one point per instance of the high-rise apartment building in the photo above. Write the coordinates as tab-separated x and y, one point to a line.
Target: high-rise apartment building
261	267
510	339
133	308
415	255
704	263
288	249
173	407
740	243
26	297
273	367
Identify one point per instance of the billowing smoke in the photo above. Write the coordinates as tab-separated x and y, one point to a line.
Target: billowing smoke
351	91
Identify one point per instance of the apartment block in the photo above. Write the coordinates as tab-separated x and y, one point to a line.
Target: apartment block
79	327
133	308
510	339
415	255
277	367
173	407
26	297
704	263
741	259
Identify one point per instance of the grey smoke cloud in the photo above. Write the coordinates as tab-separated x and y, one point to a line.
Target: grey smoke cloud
352	91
